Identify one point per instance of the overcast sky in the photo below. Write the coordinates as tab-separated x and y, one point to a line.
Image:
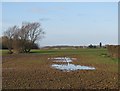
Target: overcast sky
67	23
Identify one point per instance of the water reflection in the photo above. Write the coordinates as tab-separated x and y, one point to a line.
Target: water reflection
71	67
68	66
61	59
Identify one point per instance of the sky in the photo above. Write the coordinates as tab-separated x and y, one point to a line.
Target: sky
60	0
66	23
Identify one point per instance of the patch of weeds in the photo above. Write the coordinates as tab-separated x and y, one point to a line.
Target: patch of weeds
104	55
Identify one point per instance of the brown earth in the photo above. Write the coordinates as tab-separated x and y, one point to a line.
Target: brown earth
33	71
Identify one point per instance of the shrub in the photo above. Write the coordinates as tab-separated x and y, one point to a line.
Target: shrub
114	50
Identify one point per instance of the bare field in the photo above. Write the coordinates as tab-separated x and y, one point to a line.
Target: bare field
33	71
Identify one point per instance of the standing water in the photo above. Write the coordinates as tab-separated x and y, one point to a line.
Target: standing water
69	66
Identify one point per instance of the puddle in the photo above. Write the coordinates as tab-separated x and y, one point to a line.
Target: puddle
68	66
62	59
71	67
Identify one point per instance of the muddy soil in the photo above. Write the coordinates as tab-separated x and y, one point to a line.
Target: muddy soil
32	71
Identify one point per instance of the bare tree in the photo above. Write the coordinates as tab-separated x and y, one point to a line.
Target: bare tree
29	34
22	39
9	34
35	33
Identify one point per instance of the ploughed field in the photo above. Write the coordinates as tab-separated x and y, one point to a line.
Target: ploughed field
34	71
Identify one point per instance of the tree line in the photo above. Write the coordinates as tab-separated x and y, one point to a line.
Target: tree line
22	39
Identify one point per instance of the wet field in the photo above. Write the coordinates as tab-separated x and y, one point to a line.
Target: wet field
38	70
69	66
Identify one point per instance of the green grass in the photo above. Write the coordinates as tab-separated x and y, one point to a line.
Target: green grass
3	52
98	55
69	51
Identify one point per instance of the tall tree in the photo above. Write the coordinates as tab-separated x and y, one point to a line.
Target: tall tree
8	35
22	39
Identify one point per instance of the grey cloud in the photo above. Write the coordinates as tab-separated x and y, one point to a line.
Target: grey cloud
38	10
44	19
